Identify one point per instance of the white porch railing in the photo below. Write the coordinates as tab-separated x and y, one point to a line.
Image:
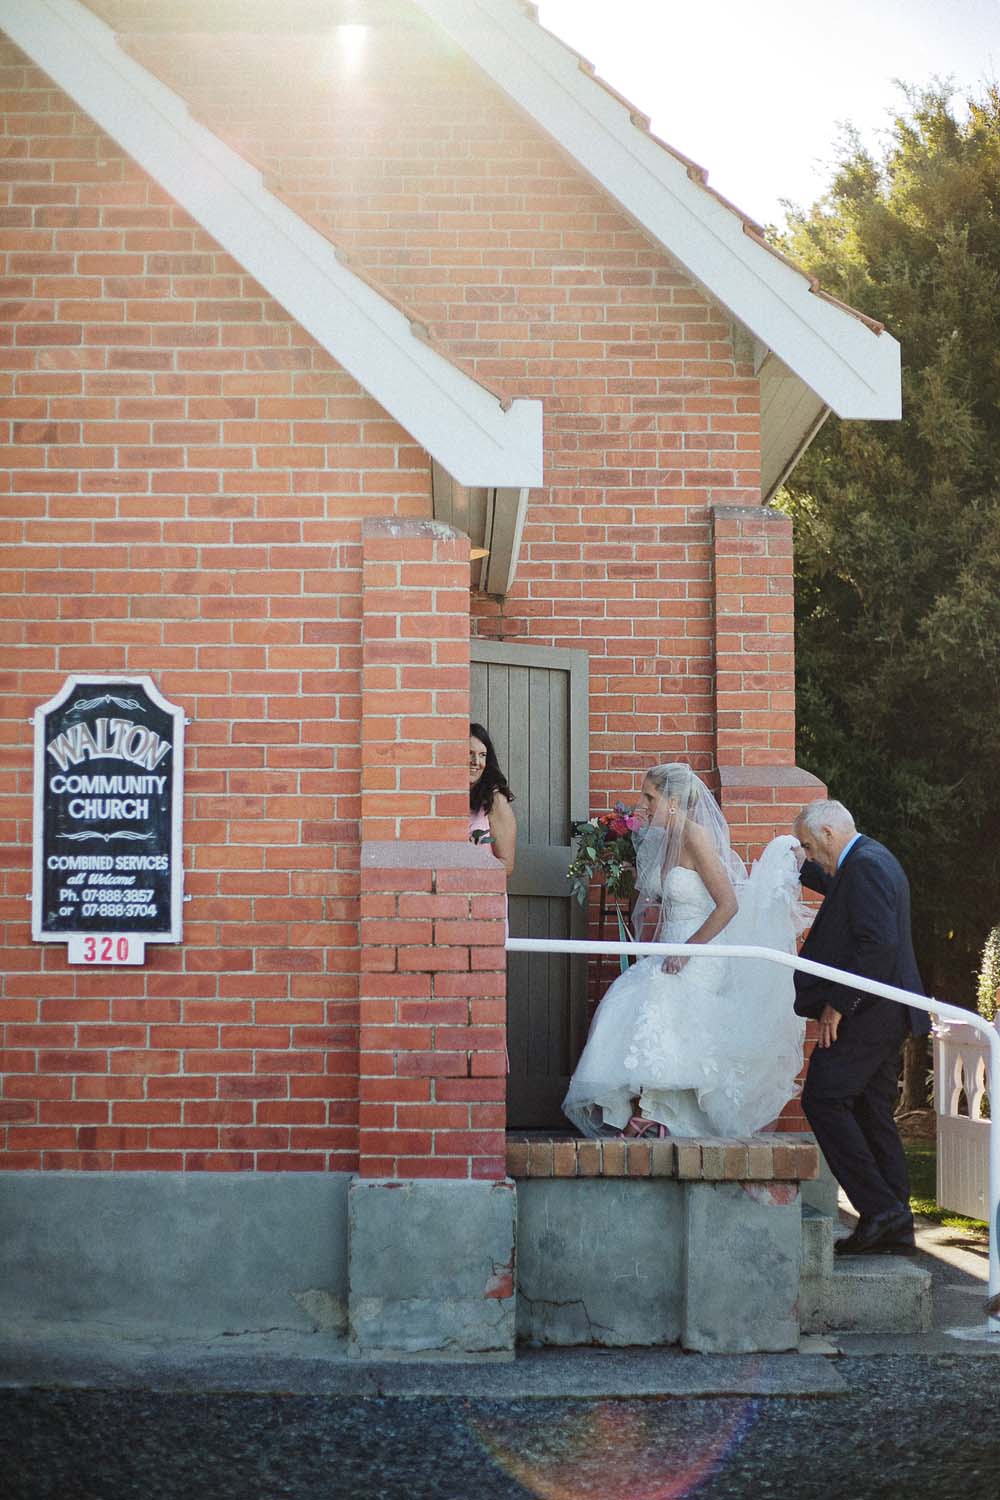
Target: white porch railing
961	1065
951	1013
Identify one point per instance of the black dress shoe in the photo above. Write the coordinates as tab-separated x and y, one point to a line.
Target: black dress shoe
888	1233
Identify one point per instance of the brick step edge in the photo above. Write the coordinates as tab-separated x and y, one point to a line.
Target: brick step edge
762	1158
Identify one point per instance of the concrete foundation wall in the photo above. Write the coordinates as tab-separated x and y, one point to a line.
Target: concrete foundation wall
432	1268
600	1261
713	1266
412	1269
742	1263
174	1253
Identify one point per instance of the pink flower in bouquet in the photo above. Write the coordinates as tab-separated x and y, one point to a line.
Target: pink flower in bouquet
604	849
620	822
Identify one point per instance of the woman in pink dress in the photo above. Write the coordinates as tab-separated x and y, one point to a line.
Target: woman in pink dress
491	817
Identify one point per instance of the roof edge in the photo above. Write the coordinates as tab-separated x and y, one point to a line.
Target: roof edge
852	363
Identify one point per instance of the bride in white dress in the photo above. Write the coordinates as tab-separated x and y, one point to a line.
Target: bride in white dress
700	1046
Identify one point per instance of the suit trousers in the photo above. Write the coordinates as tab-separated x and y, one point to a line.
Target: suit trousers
849	1099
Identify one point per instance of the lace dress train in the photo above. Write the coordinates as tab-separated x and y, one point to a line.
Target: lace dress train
716	1048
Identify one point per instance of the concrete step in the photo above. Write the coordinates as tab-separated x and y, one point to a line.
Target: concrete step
859	1293
817	1243
867	1294
821	1193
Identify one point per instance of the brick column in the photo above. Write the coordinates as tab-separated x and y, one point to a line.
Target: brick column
431	1261
433	1013
754	637
415	682
760	787
433	983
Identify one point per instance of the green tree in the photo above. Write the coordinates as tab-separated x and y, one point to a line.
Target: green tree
898	524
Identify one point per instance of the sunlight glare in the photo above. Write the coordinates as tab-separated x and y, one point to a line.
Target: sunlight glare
349	45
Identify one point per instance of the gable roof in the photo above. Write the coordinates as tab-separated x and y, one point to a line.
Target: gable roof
815	352
811	352
476	435
847	359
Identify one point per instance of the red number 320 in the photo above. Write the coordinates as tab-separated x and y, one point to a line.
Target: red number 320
110	949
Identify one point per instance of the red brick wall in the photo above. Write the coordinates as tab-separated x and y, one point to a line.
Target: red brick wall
528	275
183	480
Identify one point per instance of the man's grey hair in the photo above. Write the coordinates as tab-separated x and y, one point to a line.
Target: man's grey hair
817	815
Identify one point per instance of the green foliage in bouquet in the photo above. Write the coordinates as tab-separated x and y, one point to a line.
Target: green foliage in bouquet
604	845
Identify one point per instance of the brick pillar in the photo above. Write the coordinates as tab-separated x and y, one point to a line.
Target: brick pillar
431	1261
760	786
433	1018
433	1013
415	682
754	637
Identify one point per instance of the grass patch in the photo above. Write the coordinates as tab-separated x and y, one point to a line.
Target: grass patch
921	1160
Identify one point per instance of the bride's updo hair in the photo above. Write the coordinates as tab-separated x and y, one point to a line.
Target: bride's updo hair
676	780
684	803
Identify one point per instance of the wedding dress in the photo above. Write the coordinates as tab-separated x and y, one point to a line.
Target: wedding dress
714	1049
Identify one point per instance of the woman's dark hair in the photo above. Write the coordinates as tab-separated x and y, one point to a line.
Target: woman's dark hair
491	780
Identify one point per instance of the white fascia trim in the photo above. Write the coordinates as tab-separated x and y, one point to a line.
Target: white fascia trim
459	422
855	370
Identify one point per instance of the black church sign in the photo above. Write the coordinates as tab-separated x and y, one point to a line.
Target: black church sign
109	768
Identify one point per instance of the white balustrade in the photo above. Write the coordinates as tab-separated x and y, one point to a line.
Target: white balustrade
961	1071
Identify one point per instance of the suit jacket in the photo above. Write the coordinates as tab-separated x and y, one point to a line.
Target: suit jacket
863	926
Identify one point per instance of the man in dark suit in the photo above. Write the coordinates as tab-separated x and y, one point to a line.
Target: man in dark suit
849	1097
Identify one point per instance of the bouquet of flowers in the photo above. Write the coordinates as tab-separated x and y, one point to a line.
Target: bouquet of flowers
605	844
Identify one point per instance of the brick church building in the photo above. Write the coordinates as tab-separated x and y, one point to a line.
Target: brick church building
304	304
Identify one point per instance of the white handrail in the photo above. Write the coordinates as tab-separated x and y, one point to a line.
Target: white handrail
855	982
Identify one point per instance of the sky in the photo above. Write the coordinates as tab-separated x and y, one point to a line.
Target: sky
756	91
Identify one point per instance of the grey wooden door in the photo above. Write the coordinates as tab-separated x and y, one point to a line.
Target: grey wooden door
533	701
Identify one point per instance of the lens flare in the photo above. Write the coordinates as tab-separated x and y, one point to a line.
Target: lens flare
614	1450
